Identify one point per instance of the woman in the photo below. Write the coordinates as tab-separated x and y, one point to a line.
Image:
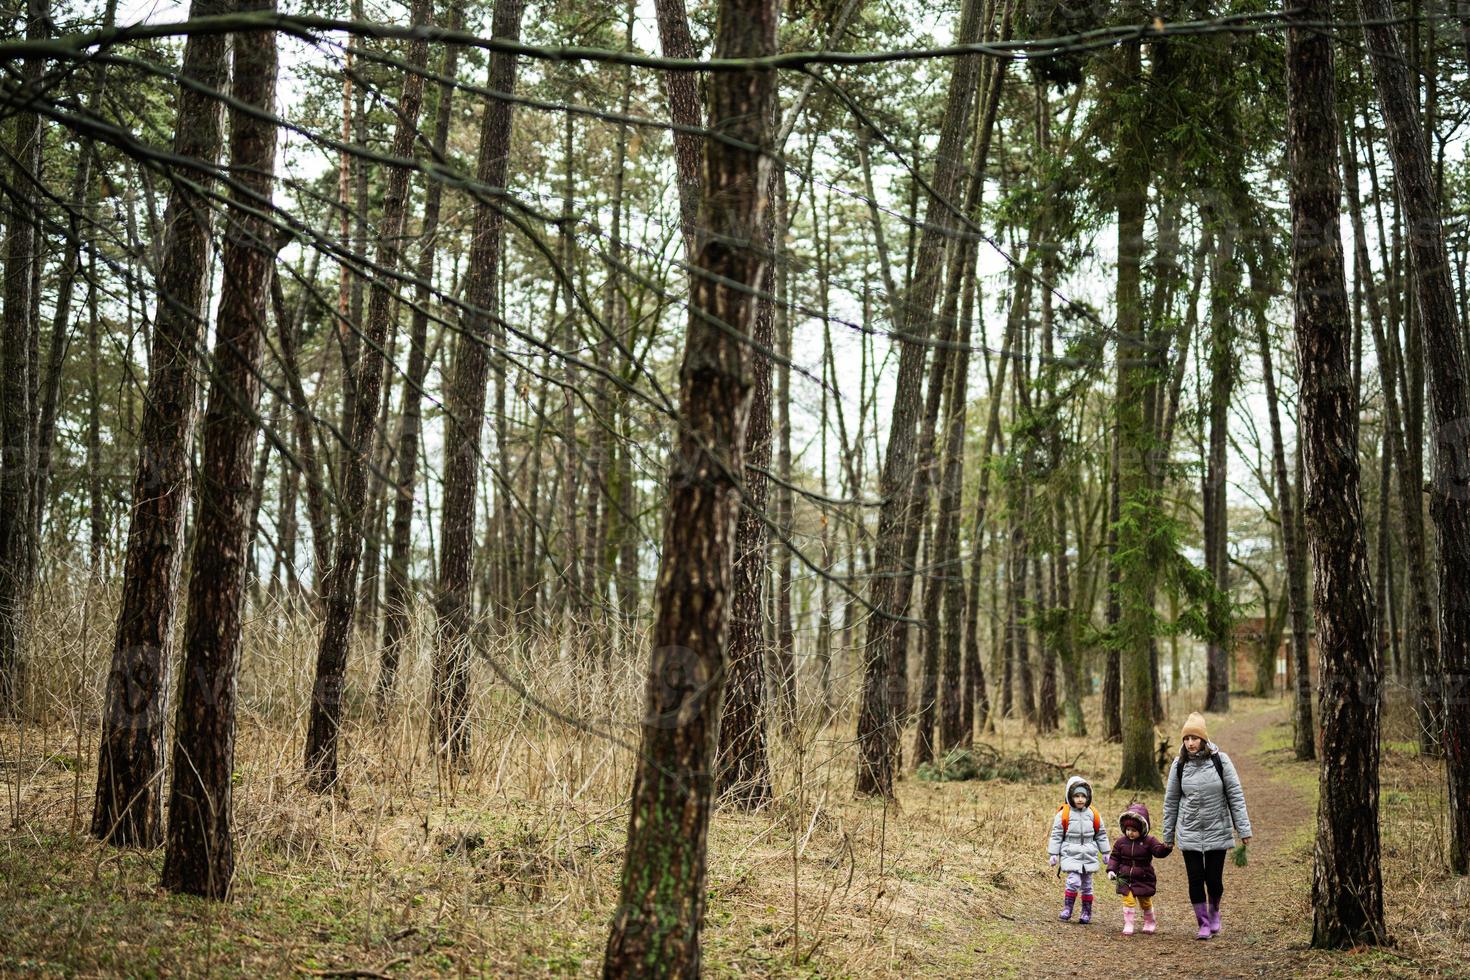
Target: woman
1203	804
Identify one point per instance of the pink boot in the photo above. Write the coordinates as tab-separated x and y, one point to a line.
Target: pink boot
1149	925
1127	922
1215	917
1202	916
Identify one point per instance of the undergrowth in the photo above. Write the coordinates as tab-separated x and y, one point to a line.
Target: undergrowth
509	866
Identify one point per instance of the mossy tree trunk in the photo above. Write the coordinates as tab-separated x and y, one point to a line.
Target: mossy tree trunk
1139	501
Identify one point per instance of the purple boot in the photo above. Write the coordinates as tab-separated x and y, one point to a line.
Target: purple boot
1086	918
1067	904
1202	916
1215	917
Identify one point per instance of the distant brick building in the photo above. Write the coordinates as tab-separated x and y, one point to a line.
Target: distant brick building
1248	637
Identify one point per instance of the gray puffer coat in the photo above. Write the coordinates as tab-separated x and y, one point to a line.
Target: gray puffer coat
1200	812
1082	842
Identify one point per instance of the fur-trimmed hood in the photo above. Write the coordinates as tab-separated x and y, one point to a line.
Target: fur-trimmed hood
1138	812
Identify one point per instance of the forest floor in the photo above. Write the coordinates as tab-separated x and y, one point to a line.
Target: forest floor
513	870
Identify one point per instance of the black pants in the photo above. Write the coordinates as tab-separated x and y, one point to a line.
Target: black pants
1206	871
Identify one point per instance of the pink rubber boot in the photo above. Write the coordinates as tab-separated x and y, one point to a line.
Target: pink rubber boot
1149	925
1202	916
1127	922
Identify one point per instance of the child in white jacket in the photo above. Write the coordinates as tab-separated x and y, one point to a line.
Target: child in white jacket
1079	844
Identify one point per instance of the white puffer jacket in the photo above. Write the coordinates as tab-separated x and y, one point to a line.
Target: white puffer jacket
1079	844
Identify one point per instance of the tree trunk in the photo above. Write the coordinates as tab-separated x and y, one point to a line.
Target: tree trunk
271	423
947	613
36	211
1304	735
656	929
1421	641
927	710
345	326
572	588
1347	883
622	523
682	88
465	402
71	268
1223	366
284	584
398	599
304	427
199	858
17	460
96	505
1112	686
370	591
532	555
975	670
1445	354
785	646
962	675
1065	640
825	629
1019	641
1068	653
884	667
745	769
1383	583
128	806
1139	501
1047	718
339	588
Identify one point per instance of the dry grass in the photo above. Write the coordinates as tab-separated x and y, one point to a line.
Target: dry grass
510	867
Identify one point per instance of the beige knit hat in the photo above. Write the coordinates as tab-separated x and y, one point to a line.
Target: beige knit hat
1195	725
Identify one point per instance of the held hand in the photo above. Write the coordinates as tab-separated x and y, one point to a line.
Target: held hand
1245	840
1112	875
1053	861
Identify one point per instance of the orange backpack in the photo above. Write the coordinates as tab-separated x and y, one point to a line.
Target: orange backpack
1066	812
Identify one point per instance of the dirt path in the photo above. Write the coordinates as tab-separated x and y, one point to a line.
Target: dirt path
1262	933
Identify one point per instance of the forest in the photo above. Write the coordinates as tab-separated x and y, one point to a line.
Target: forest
690	487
